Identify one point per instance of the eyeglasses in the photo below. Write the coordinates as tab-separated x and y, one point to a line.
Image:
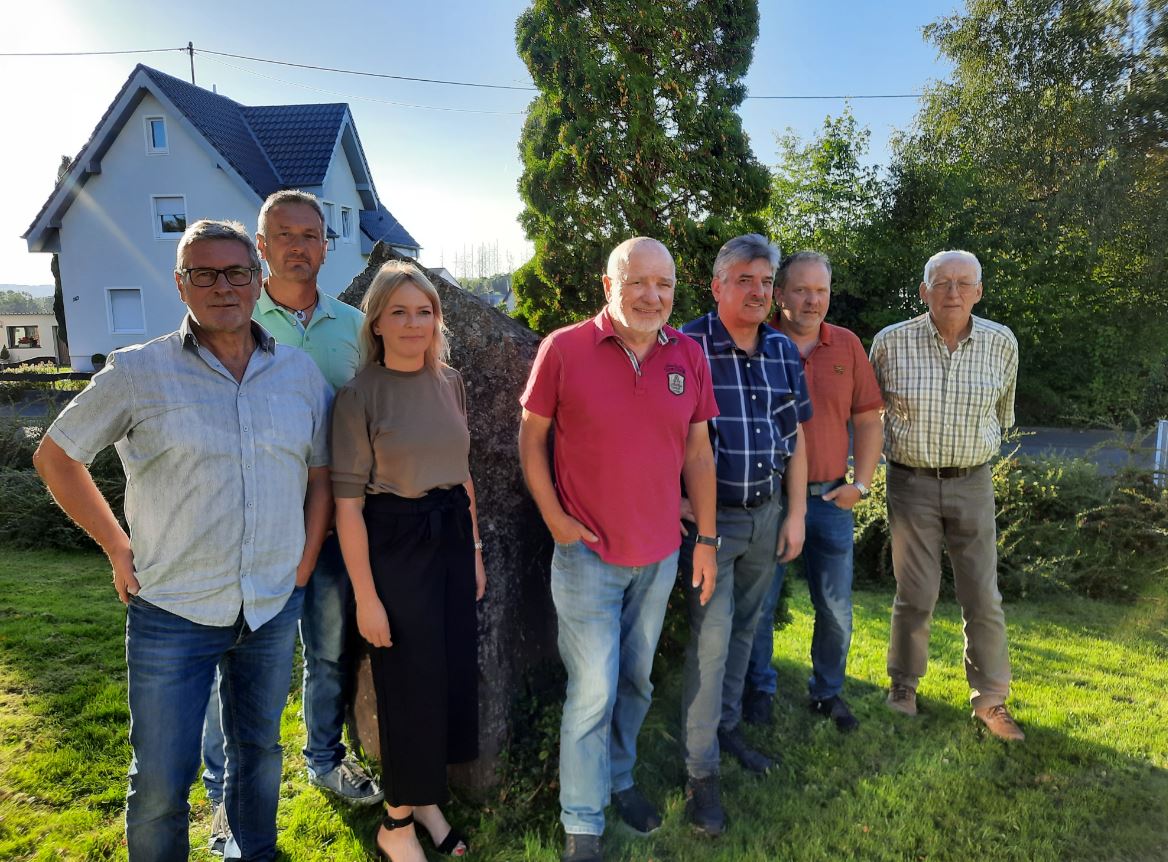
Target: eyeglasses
205	276
959	286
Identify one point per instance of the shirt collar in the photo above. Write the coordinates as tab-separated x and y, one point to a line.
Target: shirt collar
604	329
190	341
935	333
722	342
324	302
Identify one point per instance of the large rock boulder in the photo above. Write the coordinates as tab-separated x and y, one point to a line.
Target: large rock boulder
516	618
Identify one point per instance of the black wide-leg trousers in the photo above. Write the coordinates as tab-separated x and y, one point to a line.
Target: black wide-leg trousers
422	556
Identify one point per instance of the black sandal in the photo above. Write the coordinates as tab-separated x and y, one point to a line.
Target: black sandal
389	824
450	845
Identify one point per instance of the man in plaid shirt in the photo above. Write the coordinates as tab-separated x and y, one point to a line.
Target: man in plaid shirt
757	438
948	383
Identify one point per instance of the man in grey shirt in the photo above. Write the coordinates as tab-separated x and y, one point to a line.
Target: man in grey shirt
223	437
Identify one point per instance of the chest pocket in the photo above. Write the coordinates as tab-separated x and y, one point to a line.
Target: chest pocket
289	424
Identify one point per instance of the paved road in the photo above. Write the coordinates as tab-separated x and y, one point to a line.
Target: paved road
1110	449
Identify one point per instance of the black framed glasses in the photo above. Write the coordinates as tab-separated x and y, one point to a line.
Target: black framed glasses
205	276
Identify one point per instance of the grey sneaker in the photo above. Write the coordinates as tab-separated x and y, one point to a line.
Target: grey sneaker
350	782
220	829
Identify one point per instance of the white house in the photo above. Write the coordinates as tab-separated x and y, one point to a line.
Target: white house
28	336
167	153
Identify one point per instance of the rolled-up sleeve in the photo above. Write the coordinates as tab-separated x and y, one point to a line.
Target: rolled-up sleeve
352	449
99	416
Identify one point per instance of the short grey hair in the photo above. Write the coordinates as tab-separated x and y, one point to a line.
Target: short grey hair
618	258
205	229
790	260
744	249
951	254
285	197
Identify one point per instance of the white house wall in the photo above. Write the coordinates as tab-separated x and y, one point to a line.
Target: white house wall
107	235
45	324
344	260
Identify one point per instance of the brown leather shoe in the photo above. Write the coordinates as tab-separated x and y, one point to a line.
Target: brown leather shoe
1000	723
902	699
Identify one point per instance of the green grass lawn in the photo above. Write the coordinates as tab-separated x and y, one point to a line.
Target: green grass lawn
1089	783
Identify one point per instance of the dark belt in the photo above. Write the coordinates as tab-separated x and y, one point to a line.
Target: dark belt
818	489
938	472
753	504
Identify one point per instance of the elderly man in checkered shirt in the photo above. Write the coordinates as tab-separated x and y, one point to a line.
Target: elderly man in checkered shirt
758	447
948	383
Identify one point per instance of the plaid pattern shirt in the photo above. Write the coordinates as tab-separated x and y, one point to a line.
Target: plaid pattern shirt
762	397
943	410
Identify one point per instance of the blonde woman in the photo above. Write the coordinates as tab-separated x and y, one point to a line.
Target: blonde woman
409	534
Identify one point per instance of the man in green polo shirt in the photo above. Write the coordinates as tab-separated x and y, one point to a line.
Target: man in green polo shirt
292	240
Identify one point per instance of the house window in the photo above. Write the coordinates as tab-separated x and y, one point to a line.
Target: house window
124	310
170	216
24	336
156	142
347	224
330	215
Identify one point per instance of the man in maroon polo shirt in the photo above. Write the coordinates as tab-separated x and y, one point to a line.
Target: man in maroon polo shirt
843	390
629	398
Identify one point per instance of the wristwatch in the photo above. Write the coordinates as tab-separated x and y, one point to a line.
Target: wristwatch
863	489
713	541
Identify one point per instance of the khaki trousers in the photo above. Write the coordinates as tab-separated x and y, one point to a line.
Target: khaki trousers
923	513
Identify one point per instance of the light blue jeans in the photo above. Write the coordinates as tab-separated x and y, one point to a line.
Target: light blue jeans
610	618
827	562
324	627
722	632
171	663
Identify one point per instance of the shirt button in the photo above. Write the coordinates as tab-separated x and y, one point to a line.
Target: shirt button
248	466
759	464
753	397
251	505
747	364
756	493
245	428
757	430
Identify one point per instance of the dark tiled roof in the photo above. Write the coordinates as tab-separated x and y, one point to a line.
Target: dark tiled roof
223	124
299	139
379	224
271	147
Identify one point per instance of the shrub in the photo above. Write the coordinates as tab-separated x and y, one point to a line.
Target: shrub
1062	526
29	518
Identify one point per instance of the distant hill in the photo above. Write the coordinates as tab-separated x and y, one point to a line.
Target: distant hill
32	289
23	301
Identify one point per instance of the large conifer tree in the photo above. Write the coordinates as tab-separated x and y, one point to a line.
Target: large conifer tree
634	132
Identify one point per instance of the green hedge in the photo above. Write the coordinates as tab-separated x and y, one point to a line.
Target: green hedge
1063	525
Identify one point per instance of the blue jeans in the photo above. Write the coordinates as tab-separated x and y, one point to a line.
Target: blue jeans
171	664
609	621
827	561
328	602
722	632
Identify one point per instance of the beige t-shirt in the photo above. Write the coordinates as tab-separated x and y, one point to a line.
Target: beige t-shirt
399	432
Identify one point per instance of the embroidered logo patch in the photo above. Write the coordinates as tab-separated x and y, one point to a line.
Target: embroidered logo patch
676	382
838	369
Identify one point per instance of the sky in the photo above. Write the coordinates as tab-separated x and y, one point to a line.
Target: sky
444	158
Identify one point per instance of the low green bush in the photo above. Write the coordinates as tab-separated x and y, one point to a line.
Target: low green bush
1063	525
29	518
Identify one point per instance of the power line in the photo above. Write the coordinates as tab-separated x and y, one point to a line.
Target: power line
87	53
419	80
364	98
366	74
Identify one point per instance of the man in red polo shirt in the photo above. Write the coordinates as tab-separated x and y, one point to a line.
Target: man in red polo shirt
628	397
843	389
